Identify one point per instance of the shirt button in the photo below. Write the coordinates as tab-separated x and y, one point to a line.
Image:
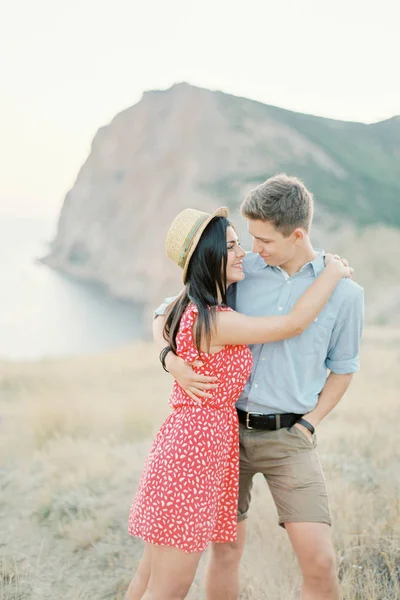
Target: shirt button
256	385
280	308
316	319
263	358
288	282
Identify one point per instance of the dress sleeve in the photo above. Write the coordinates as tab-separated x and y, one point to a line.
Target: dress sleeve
185	343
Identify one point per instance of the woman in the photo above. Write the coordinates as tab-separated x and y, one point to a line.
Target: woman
187	495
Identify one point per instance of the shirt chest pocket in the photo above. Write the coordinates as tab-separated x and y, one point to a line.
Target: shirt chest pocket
316	337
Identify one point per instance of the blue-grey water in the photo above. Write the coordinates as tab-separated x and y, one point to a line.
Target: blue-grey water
43	313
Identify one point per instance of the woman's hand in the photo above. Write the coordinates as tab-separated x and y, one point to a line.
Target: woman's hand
338	266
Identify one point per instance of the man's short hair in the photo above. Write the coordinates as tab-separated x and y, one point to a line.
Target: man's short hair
283	200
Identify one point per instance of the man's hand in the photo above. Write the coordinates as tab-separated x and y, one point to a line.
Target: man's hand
195	385
334	389
304	430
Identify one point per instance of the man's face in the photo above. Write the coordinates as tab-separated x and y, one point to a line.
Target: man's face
270	244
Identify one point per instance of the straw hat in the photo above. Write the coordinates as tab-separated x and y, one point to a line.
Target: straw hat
185	233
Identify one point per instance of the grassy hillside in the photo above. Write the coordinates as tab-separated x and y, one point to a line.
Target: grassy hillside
73	437
366	187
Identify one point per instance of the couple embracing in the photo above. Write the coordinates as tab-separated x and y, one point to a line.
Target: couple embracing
262	346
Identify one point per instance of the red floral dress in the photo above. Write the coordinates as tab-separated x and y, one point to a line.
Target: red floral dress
187	495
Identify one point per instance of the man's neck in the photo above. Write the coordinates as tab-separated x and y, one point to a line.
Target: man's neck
303	256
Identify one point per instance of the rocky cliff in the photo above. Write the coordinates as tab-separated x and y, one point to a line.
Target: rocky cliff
193	147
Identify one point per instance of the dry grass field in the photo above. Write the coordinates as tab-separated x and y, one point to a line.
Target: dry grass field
73	436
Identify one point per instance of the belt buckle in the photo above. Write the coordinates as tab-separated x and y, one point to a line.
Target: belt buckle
248	415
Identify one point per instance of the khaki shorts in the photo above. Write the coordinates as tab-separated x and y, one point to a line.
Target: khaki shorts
289	462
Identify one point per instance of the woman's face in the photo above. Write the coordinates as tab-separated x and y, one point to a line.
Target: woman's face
234	267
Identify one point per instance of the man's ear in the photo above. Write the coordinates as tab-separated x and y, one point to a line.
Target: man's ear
299	234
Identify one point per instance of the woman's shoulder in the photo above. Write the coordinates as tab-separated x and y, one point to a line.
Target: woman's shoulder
190	316
194	309
190	313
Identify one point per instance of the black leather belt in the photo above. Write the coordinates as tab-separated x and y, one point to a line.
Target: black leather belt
269	422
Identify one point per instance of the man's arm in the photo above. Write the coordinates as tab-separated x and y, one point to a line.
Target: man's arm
158	332
333	391
343	357
194	384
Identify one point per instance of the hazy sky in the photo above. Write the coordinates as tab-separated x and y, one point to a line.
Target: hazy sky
68	67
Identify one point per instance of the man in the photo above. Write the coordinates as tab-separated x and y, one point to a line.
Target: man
289	381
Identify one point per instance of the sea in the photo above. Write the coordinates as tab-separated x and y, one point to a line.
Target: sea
44	313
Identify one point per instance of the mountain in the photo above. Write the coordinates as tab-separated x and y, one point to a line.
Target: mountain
188	146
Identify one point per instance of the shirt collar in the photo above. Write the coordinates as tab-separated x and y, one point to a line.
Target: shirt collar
317	265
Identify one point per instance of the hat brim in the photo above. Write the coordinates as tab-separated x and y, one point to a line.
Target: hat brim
220	212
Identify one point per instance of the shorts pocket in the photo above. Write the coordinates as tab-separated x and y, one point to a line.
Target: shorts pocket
311	441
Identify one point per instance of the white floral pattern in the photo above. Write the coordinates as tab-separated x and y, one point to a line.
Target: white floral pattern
188	491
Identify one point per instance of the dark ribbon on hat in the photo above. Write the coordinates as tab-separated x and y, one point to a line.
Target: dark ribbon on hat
188	241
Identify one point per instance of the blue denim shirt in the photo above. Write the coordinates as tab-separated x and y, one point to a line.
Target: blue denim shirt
289	375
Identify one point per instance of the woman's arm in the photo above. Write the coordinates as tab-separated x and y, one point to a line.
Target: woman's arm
235	328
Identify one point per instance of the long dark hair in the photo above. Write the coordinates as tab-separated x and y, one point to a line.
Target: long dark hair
205	284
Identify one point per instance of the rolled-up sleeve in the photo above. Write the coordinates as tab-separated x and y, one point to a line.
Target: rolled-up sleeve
344	347
163	307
